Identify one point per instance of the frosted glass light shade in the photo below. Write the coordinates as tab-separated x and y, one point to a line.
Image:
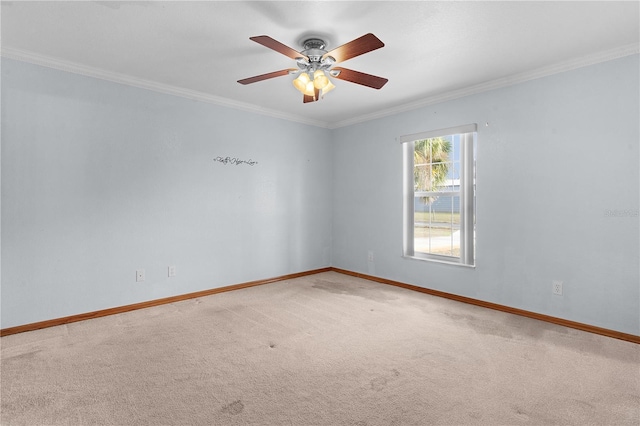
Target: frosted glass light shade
309	90
329	87
301	82
320	80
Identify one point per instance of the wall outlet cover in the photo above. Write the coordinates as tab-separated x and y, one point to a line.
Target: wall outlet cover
557	288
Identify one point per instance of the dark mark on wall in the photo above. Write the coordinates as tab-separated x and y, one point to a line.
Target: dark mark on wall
235	161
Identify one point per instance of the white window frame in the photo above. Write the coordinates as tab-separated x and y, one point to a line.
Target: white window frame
467	194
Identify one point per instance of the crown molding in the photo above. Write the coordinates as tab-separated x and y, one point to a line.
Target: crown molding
72	67
75	68
575	63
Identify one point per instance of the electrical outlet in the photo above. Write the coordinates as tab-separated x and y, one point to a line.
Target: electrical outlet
171	271
370	256
139	275
557	288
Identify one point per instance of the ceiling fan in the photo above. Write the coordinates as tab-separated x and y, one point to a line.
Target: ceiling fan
315	65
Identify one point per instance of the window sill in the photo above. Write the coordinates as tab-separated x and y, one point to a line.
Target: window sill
443	260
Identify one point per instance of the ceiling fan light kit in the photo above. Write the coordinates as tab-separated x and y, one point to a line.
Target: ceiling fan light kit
307	82
314	65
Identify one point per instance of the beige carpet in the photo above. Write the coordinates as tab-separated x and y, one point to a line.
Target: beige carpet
326	349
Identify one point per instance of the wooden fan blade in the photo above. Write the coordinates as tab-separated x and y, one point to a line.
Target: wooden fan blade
267	41
265	76
360	78
357	47
315	97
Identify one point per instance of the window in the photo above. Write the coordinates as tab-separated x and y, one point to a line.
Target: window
439	195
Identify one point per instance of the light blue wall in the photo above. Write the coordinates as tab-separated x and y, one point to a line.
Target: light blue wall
570	141
100	179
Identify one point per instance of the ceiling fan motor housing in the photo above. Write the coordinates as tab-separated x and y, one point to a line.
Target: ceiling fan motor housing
314	50
314	43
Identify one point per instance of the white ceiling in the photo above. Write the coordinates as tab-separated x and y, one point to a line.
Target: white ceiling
433	50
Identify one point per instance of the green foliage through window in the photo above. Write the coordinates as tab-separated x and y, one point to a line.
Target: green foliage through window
431	164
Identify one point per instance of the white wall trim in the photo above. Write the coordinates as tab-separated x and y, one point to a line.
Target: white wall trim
34	58
72	67
631	49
